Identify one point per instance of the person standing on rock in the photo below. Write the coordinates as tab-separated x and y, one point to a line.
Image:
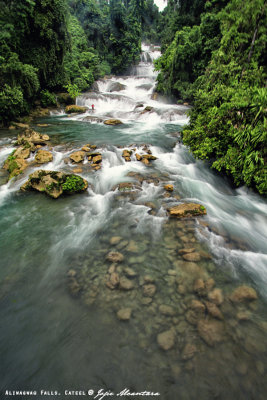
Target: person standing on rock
93	107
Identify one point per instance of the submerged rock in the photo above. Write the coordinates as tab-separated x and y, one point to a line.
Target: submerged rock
127	188
115	240
113	280
130	272
91	118
167	310
166	340
132	247
115	256
187	210
124	314
213	310
43	156
149	290
191	256
189	351
55	183
77	170
243	294
216	296
126	284
112	121
212	332
75	109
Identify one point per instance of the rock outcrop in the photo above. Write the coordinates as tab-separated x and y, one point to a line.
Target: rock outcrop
55	183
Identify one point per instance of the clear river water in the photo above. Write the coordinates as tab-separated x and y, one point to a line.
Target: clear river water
60	330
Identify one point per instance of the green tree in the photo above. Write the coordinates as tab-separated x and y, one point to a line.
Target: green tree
228	122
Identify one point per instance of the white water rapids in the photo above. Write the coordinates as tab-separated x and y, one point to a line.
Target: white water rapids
237	215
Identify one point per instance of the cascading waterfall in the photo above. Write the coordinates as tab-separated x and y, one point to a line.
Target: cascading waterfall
63	323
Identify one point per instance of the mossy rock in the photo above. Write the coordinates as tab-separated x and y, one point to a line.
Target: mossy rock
55	183
14	165
75	109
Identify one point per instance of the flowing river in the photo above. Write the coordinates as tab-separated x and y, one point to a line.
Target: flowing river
191	332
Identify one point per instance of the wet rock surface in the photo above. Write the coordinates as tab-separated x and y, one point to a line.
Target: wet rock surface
55	183
166	340
75	109
77	156
43	156
187	210
112	121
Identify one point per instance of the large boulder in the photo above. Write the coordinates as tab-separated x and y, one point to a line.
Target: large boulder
43	156
115	87
55	183
112	121
75	109
187	210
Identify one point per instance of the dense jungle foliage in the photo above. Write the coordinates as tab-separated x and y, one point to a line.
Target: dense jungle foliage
218	60
48	45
